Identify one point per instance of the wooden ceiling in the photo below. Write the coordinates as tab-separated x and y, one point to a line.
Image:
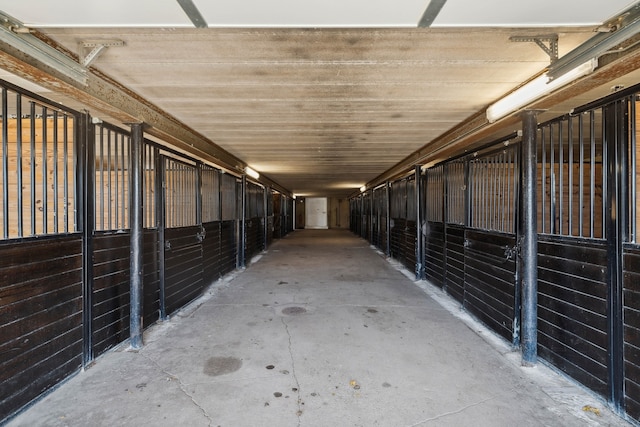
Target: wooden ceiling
322	111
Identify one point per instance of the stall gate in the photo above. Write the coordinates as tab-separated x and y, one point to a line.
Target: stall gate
65	238
588	261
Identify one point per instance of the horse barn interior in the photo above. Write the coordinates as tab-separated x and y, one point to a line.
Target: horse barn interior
153	149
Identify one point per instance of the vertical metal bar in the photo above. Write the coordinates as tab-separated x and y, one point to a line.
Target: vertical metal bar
518	228
125	149
85	193
420	226
529	249
633	195
570	169
543	180
5	163
616	147
20	167
45	143
55	172
160	180
198	188
32	167
388	213
65	173
581	178
606	182
110	180
243	218
101	209
552	168
116	176
136	266
592	136
560	180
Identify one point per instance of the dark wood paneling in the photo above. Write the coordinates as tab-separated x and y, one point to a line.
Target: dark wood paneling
631	282
434	254
403	242
183	267
40	317
454	279
572	309
269	230
489	291
211	253
254	238
228	247
151	279
111	301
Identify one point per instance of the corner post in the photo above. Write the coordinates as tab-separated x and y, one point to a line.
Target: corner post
136	263
529	239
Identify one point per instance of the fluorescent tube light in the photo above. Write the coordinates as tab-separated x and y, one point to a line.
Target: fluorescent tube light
536	89
252	173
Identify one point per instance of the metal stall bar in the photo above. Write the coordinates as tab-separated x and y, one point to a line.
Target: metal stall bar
45	202
616	147
243	220
32	169
420	234
633	173
55	171
161	221
85	194
136	218
529	247
5	165
20	165
570	169
592	164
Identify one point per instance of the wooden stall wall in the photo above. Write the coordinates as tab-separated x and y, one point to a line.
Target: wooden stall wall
183	267
111	299
454	262
40	317
490	269
631	299
572	309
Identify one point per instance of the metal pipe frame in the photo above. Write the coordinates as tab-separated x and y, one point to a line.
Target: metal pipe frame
529	239
136	221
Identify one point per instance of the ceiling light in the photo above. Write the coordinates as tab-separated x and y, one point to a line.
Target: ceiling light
17	35
363	188
251	172
536	89
618	30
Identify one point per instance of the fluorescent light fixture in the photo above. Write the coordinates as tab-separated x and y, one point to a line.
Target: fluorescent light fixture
18	36
363	188
536	89
251	172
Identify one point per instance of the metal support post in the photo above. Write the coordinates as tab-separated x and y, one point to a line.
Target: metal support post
529	248
136	263
420	225
243	219
617	232
85	147
387	195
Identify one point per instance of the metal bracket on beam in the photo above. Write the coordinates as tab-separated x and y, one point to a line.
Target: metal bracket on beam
551	39
97	48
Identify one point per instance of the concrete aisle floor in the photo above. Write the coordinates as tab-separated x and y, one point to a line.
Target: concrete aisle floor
321	331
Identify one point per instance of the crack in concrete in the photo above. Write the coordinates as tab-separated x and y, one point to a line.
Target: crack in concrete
182	386
293	371
446	414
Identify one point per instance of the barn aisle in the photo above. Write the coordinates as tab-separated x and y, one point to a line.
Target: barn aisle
319	331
